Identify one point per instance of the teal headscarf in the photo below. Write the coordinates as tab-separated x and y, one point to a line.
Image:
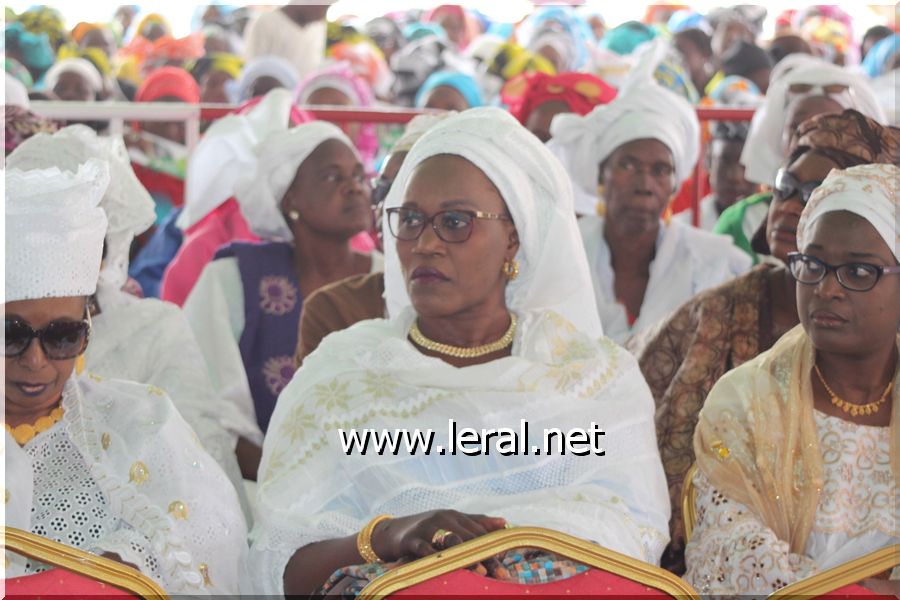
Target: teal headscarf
464	84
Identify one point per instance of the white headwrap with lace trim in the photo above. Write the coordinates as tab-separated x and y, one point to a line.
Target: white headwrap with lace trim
128	206
54	231
869	191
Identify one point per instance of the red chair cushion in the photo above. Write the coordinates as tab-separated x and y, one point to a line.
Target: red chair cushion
589	583
57	582
849	590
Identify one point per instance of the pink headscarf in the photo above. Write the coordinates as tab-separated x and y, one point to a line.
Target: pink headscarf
341	77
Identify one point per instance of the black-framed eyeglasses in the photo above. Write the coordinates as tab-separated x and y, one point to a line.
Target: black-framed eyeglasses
787	185
452	226
856	276
62	339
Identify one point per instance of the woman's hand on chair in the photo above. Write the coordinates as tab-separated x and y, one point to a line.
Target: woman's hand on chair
429	532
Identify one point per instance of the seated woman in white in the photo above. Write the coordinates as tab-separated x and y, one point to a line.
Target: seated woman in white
305	197
136	339
105	465
492	321
638	149
796	449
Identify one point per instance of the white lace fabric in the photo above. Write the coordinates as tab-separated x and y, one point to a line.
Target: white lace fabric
732	552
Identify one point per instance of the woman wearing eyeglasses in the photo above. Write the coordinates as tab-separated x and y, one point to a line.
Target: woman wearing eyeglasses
727	326
796	449
801	88
104	465
492	321
305	197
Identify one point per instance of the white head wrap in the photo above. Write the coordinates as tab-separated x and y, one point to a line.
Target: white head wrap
54	231
554	271
870	191
16	92
643	109
276	162
128	206
226	153
764	151
416	128
81	66
263	66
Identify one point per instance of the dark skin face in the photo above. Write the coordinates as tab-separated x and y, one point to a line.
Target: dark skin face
445	97
784	213
841	323
388	174
696	62
72	87
173	131
638	179
154	31
454	26
538	122
333	97
790	44
330	193
761	78
263	85
100	38
212	88
871	40
34	383
727	34
726	173
551	54
802	109
471	282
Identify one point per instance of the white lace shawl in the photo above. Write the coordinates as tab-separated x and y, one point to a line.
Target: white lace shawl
370	376
148	463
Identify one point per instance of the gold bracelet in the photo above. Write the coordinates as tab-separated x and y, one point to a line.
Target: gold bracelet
364	540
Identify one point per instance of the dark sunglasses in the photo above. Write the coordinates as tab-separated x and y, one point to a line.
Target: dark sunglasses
787	185
63	339
452	226
856	277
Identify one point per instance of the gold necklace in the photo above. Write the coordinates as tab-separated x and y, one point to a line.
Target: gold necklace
855	409
25	432
461	351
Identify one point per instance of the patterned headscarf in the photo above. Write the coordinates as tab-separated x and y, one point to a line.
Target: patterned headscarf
21	124
580	91
848	139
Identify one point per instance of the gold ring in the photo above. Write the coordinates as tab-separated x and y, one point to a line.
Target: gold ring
439	536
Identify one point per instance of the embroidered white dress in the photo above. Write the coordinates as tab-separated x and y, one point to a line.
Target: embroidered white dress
123	473
732	552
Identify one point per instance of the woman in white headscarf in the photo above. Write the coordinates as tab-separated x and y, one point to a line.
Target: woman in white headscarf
260	76
802	87
105	465
492	322
638	149
305	195
138	339
797	449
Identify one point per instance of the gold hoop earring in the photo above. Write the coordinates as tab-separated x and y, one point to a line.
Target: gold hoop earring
293	215
510	268
601	190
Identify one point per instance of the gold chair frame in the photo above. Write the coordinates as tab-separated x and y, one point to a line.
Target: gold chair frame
497	542
846	574
83	563
689	502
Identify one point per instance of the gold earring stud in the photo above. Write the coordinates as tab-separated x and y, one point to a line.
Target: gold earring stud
293	215
511	268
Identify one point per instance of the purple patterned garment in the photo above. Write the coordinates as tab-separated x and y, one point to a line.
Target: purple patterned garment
272	306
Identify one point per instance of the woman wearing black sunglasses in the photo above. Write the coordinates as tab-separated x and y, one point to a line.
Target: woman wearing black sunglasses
108	466
727	326
796	450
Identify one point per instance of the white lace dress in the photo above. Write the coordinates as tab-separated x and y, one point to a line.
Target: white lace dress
69	507
732	552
